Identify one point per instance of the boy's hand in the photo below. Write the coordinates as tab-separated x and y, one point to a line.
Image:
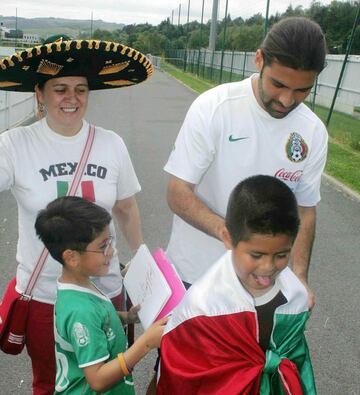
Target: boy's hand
153	334
124	268
132	315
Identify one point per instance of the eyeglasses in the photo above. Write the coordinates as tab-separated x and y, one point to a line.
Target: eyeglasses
105	250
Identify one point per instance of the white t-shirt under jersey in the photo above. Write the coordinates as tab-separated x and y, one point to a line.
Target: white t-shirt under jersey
37	165
226	137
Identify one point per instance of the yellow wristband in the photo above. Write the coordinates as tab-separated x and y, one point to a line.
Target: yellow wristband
123	366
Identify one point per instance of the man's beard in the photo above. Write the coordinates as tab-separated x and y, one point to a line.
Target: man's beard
267	104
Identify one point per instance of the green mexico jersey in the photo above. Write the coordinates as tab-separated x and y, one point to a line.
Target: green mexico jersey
87	331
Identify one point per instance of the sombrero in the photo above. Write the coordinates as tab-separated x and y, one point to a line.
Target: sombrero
105	64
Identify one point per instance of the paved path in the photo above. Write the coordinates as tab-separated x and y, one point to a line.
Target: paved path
148	117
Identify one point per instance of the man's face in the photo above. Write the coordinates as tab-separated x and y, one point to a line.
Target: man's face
280	89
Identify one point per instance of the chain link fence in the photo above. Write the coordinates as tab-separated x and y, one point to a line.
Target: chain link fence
221	67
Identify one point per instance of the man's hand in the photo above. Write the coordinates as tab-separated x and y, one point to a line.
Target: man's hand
311	296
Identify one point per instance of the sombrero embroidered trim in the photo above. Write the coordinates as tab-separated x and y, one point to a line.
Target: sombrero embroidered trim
105	64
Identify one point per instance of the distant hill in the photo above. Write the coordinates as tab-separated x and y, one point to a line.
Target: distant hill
46	27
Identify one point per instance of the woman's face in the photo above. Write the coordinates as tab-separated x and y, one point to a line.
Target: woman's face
65	100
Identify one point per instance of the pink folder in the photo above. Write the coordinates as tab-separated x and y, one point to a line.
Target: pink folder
177	287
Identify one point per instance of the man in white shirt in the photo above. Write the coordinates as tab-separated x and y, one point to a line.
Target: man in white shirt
256	126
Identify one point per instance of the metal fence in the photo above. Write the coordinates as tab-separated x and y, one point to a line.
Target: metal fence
155	60
15	108
220	67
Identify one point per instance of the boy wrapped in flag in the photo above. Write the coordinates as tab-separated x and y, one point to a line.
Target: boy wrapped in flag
240	328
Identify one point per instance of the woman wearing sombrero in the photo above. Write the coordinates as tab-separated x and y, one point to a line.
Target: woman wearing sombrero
39	163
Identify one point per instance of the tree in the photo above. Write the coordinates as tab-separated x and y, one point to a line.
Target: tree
337	26
356	42
256	19
198	40
336	20
248	38
104	35
290	11
238	21
318	13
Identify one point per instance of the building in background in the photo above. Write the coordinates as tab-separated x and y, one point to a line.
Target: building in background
16	37
31	38
3	30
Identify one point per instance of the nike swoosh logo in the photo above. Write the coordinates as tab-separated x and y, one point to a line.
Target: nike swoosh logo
232	139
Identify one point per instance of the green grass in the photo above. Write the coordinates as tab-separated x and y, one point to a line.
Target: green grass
344	164
197	84
344	128
205	74
343	161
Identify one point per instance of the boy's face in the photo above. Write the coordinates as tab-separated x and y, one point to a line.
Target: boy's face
259	260
95	259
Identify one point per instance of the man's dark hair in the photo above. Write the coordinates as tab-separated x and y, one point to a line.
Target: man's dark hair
295	42
70	223
263	205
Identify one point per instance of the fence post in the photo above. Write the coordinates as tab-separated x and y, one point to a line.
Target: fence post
187	35
212	64
348	49
244	64
198	62
181	58
203	65
185	59
193	60
232	64
266	18
314	94
200	39
223	44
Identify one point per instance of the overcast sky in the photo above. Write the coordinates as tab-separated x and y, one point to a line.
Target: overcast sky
141	11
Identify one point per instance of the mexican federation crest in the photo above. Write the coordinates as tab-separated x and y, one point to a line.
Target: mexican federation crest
296	148
81	334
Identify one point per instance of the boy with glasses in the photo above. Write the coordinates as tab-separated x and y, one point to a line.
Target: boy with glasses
91	346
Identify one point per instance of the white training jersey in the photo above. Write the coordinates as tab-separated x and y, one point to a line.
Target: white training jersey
226	137
38	165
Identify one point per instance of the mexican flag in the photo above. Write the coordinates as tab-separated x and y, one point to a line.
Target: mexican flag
210	345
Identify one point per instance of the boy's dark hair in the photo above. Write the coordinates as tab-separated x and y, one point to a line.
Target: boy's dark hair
70	223
264	205
295	42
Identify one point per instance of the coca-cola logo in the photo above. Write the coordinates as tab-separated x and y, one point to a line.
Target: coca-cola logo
292	176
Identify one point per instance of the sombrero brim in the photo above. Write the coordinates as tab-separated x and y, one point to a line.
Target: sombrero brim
105	64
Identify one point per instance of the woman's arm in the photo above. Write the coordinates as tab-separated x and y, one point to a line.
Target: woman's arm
127	215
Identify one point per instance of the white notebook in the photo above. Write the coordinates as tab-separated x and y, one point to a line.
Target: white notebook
146	286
